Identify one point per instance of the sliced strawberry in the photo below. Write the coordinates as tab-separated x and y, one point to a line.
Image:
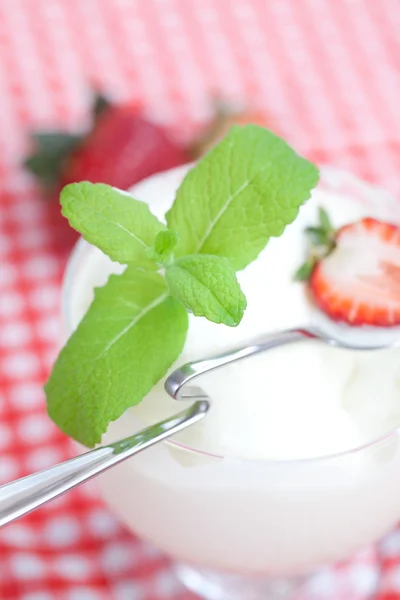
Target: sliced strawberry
358	282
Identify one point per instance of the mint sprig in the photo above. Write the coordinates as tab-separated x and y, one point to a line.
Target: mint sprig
244	191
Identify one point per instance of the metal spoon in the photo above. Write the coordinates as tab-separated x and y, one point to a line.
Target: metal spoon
28	493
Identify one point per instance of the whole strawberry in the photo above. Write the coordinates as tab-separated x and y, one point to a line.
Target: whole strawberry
121	149
354	272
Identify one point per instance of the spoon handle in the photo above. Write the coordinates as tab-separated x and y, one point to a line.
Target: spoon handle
28	493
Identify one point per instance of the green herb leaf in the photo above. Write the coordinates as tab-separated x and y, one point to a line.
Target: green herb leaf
164	246
317	236
130	336
51	149
122	227
305	271
207	286
325	221
246	190
321	242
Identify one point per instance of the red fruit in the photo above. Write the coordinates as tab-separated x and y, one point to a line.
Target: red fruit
359	281
225	117
123	148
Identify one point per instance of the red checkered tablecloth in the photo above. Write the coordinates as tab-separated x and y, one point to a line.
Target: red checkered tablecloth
327	72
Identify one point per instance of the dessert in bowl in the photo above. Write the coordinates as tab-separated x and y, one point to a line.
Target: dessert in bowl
297	462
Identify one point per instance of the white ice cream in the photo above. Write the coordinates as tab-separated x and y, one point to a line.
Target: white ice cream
303	400
264	516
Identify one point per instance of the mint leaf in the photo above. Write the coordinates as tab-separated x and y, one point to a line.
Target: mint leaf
207	286
246	190
130	336
122	227
164	246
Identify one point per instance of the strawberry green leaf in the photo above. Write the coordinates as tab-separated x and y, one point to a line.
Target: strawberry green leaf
207	286
317	236
305	271
50	150
128	339
164	246
246	190
122	227
325	221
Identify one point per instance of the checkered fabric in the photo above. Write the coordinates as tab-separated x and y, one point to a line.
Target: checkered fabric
327	75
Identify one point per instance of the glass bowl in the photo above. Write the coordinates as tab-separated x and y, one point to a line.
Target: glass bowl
249	529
